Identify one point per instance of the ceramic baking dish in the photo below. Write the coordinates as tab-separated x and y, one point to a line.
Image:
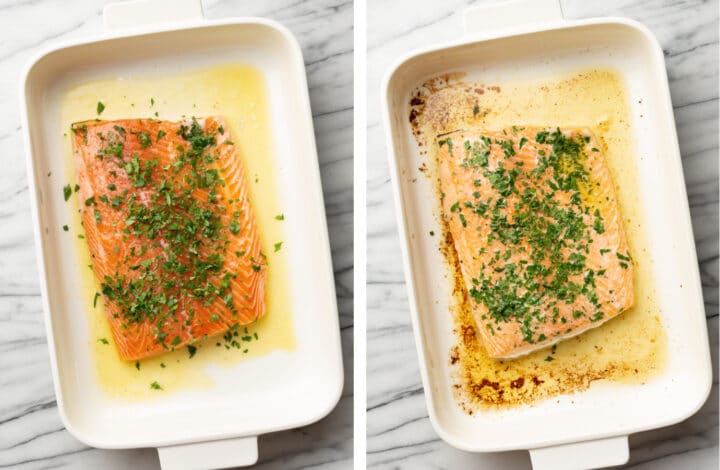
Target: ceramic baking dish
530	39
215	427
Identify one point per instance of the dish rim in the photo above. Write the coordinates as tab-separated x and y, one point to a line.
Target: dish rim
402	225
297	62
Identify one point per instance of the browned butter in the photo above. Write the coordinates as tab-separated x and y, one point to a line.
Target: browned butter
631	348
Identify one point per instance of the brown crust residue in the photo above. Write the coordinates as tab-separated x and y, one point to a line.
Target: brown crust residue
488	383
446	104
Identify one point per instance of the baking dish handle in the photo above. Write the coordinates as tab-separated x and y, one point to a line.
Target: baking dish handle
137	13
582	455
226	453
514	13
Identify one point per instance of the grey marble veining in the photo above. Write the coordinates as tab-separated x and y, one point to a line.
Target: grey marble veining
399	432
31	434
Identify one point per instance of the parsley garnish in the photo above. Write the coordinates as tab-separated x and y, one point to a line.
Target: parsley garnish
449	143
184	239
144	138
522	284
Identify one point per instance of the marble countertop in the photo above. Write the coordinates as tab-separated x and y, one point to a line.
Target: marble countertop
399	432
31	434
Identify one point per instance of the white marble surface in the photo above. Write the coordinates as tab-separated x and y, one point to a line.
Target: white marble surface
399	432
31	434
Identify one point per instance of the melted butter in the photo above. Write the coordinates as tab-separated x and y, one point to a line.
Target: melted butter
238	93
630	348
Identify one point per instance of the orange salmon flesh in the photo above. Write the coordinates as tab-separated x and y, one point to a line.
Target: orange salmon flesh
169	224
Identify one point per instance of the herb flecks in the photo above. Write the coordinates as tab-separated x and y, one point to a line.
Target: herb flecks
180	240
544	227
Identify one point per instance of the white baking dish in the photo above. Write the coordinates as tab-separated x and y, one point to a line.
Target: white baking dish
215	427
528	39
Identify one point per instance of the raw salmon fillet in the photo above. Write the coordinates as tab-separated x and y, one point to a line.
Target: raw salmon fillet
170	227
536	226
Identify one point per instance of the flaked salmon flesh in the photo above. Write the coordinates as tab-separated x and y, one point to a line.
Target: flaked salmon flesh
536	225
170	227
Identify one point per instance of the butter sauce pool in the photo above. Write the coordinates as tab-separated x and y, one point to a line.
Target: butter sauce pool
628	349
238	93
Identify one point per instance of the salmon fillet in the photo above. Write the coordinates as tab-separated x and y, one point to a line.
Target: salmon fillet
170	227
535	222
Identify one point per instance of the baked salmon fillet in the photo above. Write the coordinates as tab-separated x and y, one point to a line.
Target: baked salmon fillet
170	227
538	233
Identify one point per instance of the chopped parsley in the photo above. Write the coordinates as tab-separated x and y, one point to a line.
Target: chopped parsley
542	262
67	192
183	239
100	107
155	386
144	138
80	129
278	246
449	143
